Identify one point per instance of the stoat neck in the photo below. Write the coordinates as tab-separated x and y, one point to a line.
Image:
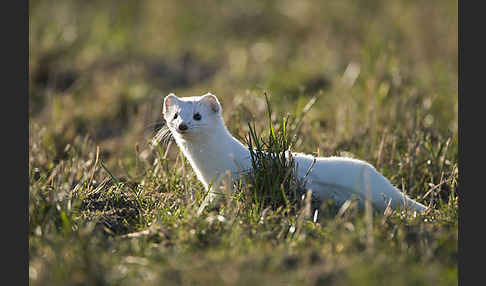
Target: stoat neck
211	155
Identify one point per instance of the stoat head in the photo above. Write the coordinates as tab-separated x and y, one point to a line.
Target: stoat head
192	117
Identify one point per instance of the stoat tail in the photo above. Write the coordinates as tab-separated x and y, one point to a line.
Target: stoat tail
414	205
399	201
383	191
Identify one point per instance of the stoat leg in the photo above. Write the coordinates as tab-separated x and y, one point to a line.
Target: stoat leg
221	188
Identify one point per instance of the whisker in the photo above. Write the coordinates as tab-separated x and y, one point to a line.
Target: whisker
167	138
154	124
151	128
162	136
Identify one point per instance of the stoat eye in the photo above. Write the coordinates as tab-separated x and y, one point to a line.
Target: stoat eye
197	116
175	116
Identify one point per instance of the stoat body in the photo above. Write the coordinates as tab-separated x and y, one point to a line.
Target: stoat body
198	128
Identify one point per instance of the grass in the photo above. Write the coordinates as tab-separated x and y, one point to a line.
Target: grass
89	227
272	180
376	81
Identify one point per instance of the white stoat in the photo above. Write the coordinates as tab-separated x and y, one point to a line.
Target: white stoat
199	130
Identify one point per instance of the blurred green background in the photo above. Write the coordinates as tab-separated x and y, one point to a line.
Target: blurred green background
102	68
380	76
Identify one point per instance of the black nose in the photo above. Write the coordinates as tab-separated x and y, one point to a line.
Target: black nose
182	127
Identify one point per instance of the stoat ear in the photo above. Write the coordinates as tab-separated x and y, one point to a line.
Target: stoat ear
169	101
212	101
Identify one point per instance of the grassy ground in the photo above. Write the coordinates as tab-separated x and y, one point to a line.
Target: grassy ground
376	80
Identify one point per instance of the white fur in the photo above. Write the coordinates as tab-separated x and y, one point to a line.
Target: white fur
212	151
